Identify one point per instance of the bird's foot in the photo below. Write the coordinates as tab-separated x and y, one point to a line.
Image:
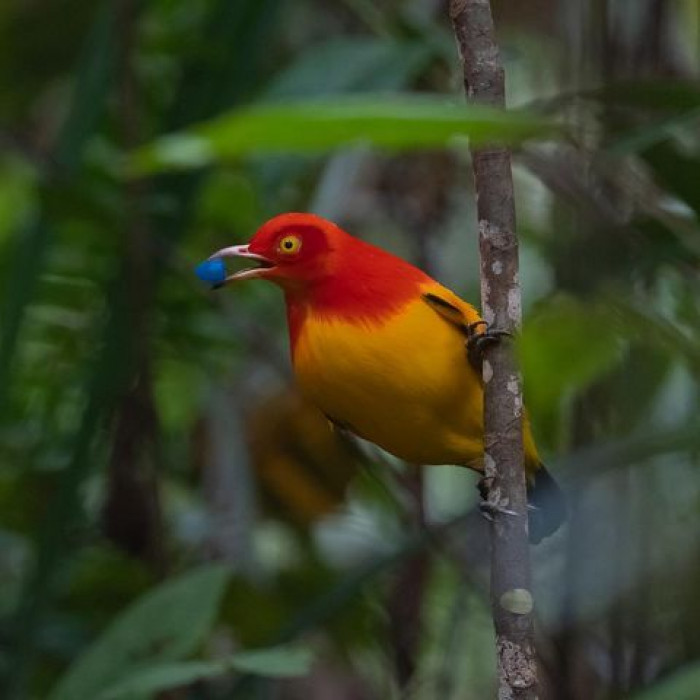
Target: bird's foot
487	507
488	510
478	341
483	486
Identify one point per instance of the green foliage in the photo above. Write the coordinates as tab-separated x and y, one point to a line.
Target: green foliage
228	113
281	662
405	122
682	685
17	182
564	347
359	64
166	624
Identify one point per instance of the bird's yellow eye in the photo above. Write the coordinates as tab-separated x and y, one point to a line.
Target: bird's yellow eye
289	245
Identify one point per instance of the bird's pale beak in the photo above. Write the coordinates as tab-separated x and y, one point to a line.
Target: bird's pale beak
241	251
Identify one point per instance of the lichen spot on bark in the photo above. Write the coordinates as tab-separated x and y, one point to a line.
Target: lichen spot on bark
489	465
519	672
514	305
513	387
518	601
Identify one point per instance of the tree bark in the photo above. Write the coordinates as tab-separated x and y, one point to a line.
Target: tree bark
511	596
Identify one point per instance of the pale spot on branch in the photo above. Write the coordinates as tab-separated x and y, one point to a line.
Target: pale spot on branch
518	601
514	305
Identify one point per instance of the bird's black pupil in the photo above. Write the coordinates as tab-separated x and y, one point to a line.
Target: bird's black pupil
288	245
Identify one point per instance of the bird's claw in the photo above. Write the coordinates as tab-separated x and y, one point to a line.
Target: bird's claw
477	342
483	486
489	508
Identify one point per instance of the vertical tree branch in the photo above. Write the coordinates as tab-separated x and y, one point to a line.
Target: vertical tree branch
132	515
511	596
405	606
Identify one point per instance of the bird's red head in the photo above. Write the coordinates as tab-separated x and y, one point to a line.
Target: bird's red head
322	268
293	250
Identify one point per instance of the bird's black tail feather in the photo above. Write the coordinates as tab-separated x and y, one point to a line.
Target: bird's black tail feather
548	505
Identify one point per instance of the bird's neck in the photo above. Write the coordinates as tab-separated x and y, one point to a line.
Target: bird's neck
368	287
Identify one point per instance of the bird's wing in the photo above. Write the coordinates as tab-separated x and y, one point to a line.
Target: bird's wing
453	309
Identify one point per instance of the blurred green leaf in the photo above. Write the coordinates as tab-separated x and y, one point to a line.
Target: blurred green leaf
34	237
65	510
564	347
280	662
683	685
404	122
658	95
675	170
656	328
637	139
350	64
669	103
17	193
166	624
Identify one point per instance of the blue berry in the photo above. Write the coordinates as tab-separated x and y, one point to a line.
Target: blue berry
211	271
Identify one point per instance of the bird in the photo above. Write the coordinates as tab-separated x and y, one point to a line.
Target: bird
379	347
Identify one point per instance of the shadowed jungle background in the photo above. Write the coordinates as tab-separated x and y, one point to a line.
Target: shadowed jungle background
175	522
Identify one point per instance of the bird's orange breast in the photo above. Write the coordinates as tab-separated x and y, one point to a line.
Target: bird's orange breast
402	382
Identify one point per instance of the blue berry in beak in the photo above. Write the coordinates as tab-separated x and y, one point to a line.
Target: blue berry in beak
211	271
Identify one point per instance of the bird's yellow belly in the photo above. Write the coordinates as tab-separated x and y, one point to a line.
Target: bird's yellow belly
404	384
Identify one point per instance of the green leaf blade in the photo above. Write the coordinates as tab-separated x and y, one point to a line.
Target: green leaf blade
277	662
682	685
166	624
393	123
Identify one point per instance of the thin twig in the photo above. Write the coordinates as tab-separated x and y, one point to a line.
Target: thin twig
511	597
